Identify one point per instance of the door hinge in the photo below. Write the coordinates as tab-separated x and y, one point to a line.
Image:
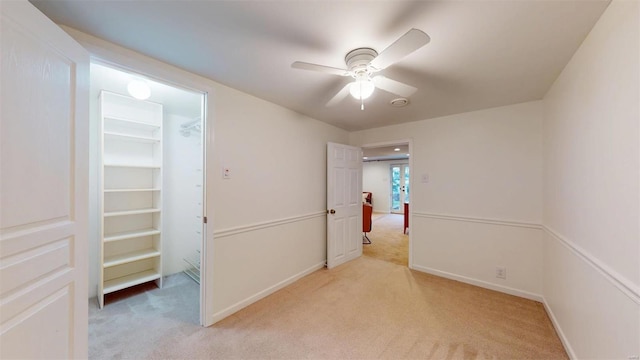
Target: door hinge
204	219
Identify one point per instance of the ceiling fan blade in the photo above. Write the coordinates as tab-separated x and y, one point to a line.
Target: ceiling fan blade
341	95
320	68
393	86
405	45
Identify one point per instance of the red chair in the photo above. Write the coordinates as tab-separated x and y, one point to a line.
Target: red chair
367	210
406	217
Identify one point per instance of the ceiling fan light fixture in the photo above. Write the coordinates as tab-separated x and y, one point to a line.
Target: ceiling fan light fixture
361	89
363	62
139	89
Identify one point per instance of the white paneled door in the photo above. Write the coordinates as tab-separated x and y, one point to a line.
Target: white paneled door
43	188
344	203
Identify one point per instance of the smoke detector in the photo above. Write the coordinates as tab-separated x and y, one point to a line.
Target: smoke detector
399	102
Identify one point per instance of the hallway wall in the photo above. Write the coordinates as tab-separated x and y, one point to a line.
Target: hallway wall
592	191
482	205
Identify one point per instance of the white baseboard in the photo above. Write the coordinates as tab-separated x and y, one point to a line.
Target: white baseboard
264	293
480	283
561	335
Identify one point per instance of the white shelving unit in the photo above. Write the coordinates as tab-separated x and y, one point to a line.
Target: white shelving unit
131	173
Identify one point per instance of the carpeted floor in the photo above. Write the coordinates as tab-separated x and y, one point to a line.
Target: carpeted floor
134	320
388	243
365	309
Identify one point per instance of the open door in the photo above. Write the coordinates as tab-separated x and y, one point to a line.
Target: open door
344	203
43	188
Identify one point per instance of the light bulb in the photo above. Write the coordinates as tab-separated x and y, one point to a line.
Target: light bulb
139	89
361	88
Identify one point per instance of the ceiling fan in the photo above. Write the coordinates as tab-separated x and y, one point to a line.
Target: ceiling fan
363	62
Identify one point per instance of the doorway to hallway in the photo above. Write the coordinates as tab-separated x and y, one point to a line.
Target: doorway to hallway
386	175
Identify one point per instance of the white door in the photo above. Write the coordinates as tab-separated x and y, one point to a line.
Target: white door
344	203
43	188
399	187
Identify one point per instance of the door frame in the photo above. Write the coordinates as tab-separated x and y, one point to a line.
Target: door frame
108	54
411	181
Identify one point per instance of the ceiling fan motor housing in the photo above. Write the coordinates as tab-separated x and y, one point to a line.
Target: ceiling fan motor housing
358	60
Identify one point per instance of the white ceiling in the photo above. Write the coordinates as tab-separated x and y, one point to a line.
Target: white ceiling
482	54
386	153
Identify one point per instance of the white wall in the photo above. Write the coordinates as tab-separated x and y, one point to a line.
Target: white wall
376	177
592	190
482	205
181	194
270	215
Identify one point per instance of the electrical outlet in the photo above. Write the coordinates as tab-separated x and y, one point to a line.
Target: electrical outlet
226	173
501	272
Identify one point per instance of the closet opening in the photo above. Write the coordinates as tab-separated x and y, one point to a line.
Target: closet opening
147	194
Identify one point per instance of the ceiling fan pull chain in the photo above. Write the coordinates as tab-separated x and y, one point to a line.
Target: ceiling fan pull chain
361	97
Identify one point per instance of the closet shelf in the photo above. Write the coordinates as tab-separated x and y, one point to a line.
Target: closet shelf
133	124
130	280
137	138
130	257
130	190
142	166
131	212
131	234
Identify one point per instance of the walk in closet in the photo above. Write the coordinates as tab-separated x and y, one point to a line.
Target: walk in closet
148	186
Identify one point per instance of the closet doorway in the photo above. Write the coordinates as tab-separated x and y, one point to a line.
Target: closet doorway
147	192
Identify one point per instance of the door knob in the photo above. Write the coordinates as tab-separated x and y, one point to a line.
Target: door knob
331	211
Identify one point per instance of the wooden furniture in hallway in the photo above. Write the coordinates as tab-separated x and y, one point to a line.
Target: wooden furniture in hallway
367	210
406	217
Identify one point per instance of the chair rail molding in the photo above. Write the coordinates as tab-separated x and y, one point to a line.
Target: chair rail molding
623	284
477	220
620	282
266	224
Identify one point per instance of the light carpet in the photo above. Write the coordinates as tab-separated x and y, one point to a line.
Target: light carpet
365	309
388	242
